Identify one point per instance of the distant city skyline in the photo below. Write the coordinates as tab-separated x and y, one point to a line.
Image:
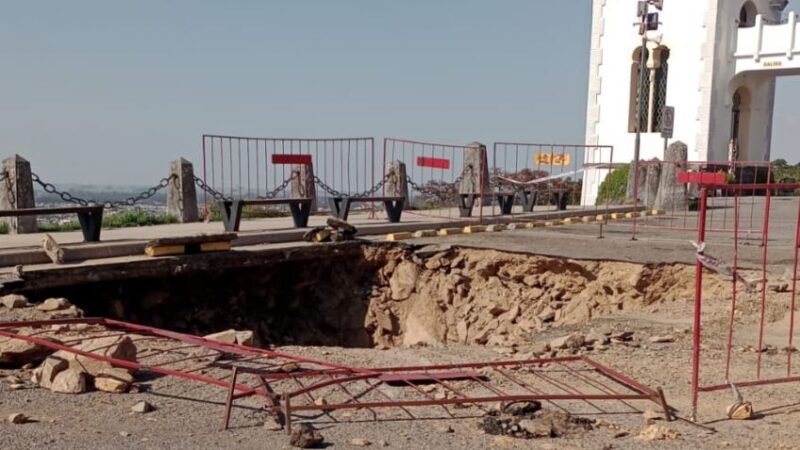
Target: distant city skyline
97	92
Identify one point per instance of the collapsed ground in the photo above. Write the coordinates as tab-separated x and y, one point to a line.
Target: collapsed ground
447	304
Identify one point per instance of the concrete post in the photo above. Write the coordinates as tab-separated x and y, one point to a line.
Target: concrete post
652	181
303	185
671	194
631	181
17	193
475	158
181	194
397	185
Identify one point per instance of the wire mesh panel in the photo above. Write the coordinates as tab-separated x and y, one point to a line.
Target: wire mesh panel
756	284
436	175
294	388
681	214
252	167
544	176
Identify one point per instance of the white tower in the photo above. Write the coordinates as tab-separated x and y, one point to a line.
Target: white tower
716	63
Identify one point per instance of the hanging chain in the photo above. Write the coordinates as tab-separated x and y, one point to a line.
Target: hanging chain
218	196
444	190
130	201
369	192
281	187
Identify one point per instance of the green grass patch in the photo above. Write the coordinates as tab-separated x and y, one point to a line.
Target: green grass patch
3	228
122	219
613	188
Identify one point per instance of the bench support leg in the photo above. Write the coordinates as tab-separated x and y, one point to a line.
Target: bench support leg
340	207
528	200
394	209
91	223
300	213
561	201
506	202
467	201
231	214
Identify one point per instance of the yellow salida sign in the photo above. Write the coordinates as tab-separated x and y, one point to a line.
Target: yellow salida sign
552	159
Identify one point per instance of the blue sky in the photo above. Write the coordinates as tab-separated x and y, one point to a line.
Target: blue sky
111	91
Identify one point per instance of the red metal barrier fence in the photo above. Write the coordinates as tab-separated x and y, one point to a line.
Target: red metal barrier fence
251	167
435	172
763	291
547	170
683	216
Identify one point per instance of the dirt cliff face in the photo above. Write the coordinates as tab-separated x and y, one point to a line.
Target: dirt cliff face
389	296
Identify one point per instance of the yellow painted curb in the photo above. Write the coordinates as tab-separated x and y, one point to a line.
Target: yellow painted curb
629	215
472	229
398	236
616	216
534	224
496	227
657	212
450	231
601	217
551	224
587	219
424	233
567	221
517	226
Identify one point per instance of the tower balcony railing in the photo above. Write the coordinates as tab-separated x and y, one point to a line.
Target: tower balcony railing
768	46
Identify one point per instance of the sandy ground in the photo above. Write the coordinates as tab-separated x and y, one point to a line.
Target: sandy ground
189	415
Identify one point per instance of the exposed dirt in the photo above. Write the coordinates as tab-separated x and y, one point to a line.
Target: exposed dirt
425	306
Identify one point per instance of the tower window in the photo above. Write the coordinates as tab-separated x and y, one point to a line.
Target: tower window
646	112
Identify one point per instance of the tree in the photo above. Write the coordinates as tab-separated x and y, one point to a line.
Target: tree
780	163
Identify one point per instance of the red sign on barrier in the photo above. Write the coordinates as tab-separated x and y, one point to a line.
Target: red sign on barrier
436	163
702	178
291	159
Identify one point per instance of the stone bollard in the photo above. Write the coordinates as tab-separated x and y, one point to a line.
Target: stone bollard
397	185
17	193
671	194
181	194
631	181
475	168
652	181
303	185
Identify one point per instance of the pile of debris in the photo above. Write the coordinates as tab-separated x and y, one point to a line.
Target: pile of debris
439	295
337	230
527	420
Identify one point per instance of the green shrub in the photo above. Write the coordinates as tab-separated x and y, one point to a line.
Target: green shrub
3	228
613	188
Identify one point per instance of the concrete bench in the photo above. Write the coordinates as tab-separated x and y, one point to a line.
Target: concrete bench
506	199
340	206
89	217
232	210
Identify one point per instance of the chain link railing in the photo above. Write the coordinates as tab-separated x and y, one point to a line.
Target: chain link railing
130	201
218	196
449	190
369	192
281	187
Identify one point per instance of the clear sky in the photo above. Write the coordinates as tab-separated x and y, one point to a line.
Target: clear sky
102	91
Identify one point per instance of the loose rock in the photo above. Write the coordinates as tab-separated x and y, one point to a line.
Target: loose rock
13	301
572	341
70	381
54	304
142	407
360	442
306	436
17	418
115	381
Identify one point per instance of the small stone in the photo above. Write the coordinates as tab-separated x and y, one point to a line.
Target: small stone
68	313
124	433
537	428
657	433
289	367
142	407
70	381
662	339
13	301
54	304
114	380
547	315
16	386
227	336
16	352
49	369
306	436
522	408
17	418
360	442
572	341
383	444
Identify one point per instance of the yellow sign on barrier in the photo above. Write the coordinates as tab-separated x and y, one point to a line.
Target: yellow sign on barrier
552	159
